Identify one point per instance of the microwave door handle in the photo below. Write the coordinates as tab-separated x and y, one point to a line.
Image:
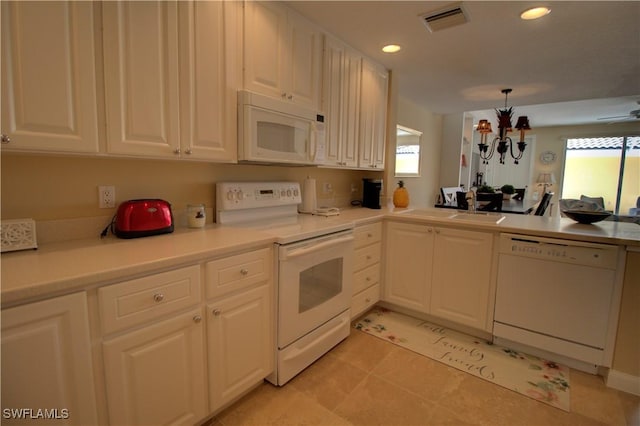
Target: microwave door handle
312	143
306	250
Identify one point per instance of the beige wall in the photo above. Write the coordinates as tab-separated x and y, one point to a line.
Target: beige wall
64	187
424	189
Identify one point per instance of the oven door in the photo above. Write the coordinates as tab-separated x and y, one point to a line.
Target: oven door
314	284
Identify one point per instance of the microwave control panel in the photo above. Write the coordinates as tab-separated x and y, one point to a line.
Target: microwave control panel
249	195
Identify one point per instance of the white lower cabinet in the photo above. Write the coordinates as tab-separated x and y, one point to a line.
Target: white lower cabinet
408	265
46	361
439	271
240	344
366	276
156	375
461	277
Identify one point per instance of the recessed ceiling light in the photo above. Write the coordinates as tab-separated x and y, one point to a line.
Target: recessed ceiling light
391	48
535	13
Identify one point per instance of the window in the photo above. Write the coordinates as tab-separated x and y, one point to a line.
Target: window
407	152
607	167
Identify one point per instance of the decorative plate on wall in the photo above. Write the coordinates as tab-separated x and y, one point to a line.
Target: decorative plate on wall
548	157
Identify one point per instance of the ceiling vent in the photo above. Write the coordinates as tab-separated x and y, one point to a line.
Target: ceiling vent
448	17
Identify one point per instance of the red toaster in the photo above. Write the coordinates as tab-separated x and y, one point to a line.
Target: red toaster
141	218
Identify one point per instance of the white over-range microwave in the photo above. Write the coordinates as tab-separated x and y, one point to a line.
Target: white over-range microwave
271	130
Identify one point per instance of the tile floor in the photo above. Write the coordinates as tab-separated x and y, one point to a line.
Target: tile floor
367	381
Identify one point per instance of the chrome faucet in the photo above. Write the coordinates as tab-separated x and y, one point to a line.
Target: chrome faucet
470	196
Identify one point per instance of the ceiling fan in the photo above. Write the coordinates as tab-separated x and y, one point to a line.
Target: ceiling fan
633	115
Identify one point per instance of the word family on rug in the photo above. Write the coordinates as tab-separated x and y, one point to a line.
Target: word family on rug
542	380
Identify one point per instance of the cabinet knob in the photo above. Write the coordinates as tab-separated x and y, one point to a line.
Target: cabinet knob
369	235
290	97
216	312
367	300
197	319
244	271
429	230
188	151
5	139
437	231
158	297
368	278
368	257
176	151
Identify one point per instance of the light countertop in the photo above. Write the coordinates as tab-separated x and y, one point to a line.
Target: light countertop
60	268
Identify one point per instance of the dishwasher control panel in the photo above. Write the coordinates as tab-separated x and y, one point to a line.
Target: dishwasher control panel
576	252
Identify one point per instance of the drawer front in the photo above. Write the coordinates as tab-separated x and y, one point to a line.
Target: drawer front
366	256
232	273
367	234
366	278
364	300
136	301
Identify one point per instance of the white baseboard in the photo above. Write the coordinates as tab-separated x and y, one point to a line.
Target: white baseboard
623	381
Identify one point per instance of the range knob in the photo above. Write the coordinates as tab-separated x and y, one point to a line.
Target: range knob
230	195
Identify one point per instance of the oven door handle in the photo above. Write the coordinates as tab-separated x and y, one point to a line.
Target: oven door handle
310	249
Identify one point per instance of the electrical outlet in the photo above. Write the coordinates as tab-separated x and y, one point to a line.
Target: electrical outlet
106	197
327	188
354	188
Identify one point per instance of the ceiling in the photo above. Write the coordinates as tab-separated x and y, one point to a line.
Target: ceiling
576	65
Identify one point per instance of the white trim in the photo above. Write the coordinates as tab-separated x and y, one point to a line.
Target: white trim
623	381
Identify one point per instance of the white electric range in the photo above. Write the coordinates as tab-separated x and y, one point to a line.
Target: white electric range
314	268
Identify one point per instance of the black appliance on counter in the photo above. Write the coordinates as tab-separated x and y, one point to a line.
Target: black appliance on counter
371	193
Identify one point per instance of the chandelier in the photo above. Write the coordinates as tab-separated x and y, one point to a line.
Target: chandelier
502	143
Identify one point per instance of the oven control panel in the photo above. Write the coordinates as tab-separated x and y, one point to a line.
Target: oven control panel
249	195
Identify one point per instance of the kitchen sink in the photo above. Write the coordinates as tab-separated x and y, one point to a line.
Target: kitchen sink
441	213
488	218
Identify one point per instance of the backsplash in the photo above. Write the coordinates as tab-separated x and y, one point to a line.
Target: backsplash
61	195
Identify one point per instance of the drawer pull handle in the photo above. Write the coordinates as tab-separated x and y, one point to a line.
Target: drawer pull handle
197	319
244	271
216	312
158	297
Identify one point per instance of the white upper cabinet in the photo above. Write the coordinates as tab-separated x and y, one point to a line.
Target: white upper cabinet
170	78
141	77
373	115
342	76
48	77
210	68
282	54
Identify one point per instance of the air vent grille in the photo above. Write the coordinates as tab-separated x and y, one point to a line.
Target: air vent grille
448	17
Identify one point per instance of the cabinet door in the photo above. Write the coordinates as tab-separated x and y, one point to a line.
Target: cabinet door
264	51
155	375
341	102
351	107
408	264
241	344
332	95
49	76
373	115
462	277
141	77
282	54
209	67
46	359
304	67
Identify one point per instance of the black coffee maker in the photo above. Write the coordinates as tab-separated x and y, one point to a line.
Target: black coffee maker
371	193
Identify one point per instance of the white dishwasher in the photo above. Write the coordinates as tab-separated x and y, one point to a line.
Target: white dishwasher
558	296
